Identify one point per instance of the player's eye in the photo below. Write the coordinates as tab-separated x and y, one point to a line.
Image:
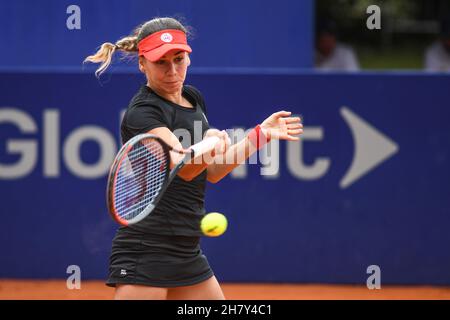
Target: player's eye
160	62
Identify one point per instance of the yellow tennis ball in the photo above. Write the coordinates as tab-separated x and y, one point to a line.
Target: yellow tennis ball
214	224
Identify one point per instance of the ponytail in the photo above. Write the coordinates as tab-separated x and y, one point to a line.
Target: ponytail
106	51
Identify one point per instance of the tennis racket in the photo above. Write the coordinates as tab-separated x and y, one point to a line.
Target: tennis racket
141	173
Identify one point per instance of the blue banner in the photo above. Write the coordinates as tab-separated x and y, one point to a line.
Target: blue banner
59	34
367	184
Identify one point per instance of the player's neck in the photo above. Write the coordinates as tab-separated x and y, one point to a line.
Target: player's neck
176	97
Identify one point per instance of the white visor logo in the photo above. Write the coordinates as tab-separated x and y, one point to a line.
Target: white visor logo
166	37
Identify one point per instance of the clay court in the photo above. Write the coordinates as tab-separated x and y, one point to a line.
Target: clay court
96	290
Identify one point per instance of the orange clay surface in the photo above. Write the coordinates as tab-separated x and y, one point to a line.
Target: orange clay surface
56	289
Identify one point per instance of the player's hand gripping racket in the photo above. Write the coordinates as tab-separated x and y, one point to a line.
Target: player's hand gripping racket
141	173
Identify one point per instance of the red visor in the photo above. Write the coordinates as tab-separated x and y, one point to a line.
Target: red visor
159	43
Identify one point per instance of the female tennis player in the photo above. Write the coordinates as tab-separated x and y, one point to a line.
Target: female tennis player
160	257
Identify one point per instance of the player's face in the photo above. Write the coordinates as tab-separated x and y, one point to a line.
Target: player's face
167	75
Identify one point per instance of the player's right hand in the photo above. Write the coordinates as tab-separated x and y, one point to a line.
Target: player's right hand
223	144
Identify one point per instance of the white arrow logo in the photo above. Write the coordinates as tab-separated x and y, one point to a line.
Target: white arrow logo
372	147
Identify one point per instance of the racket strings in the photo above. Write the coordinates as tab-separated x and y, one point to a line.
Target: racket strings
133	181
140	177
141	183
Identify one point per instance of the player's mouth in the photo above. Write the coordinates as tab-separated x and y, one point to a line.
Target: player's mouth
172	82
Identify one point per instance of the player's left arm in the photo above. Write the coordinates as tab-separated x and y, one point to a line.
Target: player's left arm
280	125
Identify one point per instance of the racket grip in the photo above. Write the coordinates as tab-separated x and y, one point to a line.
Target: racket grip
205	145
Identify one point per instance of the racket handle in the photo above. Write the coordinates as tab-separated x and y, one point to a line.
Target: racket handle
204	146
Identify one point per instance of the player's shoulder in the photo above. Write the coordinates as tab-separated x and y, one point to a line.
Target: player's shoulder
143	105
144	97
191	89
196	94
193	92
146	101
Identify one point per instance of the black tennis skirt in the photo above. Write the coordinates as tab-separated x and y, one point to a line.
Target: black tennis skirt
157	260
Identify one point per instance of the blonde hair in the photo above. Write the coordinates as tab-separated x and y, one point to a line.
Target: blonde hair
129	44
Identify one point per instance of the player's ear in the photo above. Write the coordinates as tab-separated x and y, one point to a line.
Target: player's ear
188	60
141	65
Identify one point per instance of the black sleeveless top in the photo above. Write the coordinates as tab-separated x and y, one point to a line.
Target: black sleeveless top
182	206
